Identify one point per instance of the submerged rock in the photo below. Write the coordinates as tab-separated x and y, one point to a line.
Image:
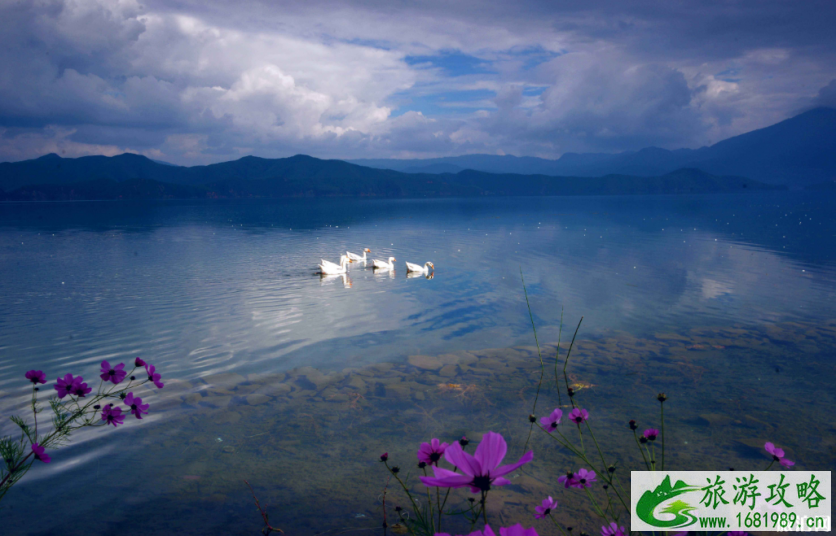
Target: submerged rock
425	362
257	399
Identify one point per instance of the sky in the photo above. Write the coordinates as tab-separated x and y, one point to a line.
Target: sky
202	81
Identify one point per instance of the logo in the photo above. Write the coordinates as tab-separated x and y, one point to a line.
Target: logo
681	510
724	501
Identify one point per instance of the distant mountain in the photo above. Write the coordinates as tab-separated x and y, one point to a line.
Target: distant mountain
796	152
304	176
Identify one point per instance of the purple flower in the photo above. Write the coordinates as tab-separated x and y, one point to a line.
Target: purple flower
138	362
568	480
36	376
777	453
550	423
431	452
481	470
582	479
546	508
384	456
79	388
486	532
136	405
113	374
153	376
585	478
738	533
515	530
65	385
40	453
786	463
613	530
113	416
578	415
651	434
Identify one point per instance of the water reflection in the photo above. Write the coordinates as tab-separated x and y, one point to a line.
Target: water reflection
227	288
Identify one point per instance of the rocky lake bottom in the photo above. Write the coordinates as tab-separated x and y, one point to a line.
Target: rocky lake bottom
308	440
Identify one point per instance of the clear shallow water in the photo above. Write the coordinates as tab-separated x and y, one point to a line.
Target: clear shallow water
208	288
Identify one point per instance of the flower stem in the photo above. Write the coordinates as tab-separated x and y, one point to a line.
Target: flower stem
662	410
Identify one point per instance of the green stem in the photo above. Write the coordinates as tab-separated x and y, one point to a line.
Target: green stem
542	366
662	409
563	532
566	362
646	464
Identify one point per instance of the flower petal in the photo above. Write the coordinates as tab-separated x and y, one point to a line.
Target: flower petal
505	469
458	481
491	451
461	459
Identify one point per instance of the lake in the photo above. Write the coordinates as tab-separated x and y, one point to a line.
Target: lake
297	383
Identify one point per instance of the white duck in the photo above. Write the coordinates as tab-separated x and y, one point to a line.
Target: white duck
420	269
356	257
382	265
329	268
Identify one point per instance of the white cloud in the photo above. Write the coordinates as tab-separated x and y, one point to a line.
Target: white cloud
331	78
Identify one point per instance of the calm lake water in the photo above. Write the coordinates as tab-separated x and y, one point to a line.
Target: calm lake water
297	383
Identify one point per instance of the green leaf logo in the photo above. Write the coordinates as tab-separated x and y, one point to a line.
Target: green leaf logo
681	510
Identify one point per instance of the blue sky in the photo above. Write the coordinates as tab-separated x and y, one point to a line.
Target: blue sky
194	82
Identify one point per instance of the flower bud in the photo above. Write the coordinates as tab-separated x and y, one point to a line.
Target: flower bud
611	468
421	465
396	470
133	378
571	392
532	418
642	440
97	407
463	441
384	456
633	425
661	397
398	508
123	396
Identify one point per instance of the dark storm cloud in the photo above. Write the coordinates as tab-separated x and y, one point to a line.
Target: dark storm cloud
199	81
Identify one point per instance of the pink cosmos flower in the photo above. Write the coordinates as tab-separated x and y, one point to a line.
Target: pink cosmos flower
568	480
113	416
775	451
79	388
65	385
481	470
136	405
550	423
778	455
613	530
40	453
545	509
585	478
138	362
578	415
515	530
154	376
430	453
113	374
36	376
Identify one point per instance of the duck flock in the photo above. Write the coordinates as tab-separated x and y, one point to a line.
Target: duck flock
331	268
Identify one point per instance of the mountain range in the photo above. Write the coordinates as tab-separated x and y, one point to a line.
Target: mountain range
129	176
797	152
